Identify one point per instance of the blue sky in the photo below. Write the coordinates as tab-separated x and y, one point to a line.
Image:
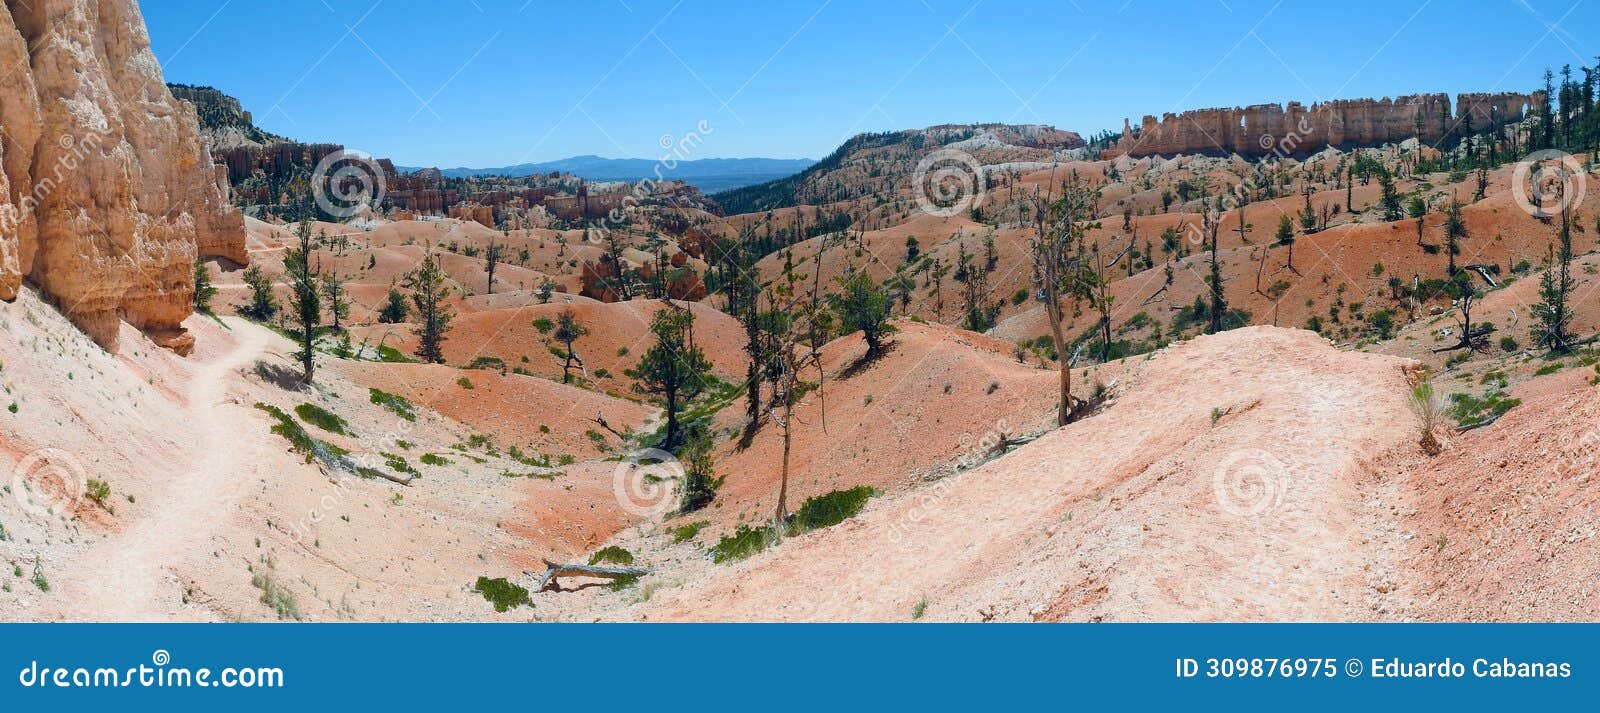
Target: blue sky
497	82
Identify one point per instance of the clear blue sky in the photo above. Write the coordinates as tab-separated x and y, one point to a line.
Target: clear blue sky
496	82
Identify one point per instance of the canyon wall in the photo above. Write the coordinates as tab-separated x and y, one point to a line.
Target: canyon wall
1294	129
110	192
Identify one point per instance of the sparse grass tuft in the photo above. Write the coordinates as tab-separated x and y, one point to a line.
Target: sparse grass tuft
280	600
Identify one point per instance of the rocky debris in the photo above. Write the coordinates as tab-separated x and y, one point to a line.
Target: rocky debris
110	193
1297	130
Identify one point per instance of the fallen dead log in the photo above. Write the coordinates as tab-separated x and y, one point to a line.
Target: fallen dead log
547	581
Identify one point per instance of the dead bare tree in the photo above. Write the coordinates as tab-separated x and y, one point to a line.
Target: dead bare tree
1060	227
791	361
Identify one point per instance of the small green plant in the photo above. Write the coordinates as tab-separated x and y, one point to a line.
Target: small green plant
1548	369
394	403
398	464
38	576
1426	407
322	418
920	609
504	595
98	491
464	383
434	459
544	325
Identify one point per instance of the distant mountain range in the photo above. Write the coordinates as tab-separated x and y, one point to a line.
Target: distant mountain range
708	174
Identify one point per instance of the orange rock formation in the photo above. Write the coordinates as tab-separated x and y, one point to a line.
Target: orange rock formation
109	194
1273	128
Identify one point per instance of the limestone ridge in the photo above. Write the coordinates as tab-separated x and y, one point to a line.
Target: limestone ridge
109	192
1294	129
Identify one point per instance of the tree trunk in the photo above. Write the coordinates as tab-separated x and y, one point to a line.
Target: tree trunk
1053	311
671	439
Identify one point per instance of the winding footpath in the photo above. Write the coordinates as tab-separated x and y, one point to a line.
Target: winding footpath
122	578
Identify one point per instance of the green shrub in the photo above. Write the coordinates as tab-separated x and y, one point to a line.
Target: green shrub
1466	408
504	595
322	418
815	513
399	464
394	403
432	459
744	542
830	509
390	354
464	383
299	441
612	555
684	533
544	325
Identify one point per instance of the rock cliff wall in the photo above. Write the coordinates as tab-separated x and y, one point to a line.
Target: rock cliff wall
1296	129
110	193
